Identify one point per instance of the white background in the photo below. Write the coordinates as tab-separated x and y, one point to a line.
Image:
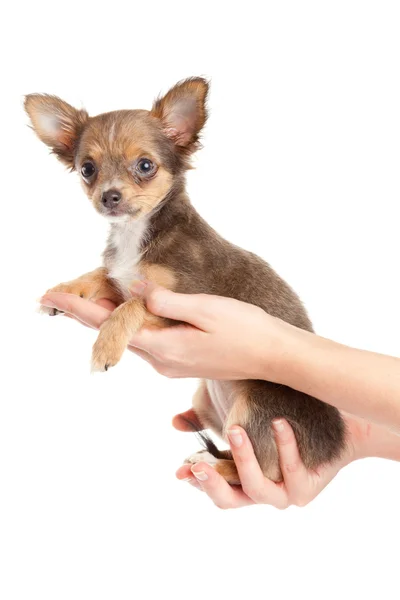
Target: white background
301	165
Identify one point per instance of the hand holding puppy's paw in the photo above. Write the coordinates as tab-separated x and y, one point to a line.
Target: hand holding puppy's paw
48	310
76	287
201	456
109	347
226	468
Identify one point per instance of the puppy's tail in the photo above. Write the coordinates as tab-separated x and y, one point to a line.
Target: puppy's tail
204	439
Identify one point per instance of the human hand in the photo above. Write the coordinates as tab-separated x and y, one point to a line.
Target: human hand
299	486
223	338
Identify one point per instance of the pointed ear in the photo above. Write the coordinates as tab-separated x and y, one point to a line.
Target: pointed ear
56	123
183	112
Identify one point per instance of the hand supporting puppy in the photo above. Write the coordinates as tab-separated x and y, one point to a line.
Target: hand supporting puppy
247	333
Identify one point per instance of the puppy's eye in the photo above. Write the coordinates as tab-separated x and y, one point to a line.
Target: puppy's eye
145	166
88	170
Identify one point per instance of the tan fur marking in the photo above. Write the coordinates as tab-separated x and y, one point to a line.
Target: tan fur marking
239	413
158	274
227	469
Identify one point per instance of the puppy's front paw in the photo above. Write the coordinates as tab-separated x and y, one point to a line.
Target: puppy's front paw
47	310
73	287
108	348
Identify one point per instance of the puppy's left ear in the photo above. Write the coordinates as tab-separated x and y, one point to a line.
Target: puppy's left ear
57	124
183	112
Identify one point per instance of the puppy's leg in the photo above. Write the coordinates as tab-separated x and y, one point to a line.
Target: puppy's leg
91	286
204	409
116	332
246	414
221	460
256	421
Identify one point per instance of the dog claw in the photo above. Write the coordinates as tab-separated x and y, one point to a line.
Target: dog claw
100	366
56	312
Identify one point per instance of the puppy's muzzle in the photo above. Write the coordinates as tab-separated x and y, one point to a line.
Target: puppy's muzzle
111	198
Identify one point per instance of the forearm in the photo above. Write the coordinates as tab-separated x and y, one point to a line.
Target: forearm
356	381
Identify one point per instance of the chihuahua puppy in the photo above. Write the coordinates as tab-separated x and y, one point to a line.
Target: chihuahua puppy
132	166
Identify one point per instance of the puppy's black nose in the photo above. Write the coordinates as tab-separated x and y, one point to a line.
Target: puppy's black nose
111	198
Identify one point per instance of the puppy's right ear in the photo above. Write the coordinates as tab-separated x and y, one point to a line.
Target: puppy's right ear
57	124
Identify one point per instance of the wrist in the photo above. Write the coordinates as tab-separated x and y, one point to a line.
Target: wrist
358	441
284	348
369	440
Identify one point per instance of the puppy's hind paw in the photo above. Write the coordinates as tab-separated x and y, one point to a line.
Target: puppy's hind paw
201	456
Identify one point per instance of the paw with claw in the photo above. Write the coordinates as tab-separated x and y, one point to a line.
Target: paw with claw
109	346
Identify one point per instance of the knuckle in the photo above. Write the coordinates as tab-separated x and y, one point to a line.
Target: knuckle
155	301
69	307
223	505
301	502
164	370
256	494
291	467
287	438
242	458
173	359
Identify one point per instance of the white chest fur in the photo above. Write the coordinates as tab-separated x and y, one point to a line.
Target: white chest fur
126	238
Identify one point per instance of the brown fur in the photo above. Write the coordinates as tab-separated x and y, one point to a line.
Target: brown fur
182	252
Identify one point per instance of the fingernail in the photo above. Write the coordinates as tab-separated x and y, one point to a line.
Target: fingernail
235	437
200	475
46	302
138	287
278	425
188	479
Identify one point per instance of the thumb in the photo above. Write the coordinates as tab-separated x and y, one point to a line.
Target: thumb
189	308
187	421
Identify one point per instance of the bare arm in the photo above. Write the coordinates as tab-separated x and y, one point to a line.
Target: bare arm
360	382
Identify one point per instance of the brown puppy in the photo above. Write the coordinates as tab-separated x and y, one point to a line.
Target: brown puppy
132	166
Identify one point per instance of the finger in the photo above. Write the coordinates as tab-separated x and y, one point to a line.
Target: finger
214	485
189	308
86	311
105	303
260	489
101	302
160	341
148	339
145	355
185	474
293	469
73	318
187	421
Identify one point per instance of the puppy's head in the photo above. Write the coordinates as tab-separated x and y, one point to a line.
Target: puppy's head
127	160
